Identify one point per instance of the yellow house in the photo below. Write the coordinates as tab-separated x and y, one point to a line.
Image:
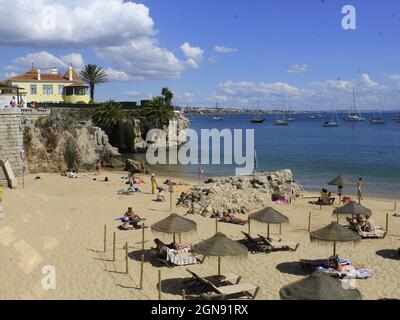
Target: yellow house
52	87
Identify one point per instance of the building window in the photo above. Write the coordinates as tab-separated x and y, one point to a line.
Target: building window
47	89
69	91
60	89
33	89
80	91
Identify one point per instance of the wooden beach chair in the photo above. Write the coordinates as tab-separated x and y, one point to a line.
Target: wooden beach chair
235	291
254	245
279	244
228	278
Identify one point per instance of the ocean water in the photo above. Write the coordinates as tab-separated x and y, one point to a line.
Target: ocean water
315	154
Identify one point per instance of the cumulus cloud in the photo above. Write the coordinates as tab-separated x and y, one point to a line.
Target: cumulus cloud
83	23
45	60
395	77
298	68
222	49
194	55
120	32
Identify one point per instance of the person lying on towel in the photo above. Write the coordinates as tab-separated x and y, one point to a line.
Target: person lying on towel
230	218
130	220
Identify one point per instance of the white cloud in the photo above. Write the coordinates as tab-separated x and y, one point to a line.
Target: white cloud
132	94
116	75
395	77
83	23
222	49
121	33
45	60
298	68
194	55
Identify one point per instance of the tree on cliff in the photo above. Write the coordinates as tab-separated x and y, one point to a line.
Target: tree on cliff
93	75
108	116
160	110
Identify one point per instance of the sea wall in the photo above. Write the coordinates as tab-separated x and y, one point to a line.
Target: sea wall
12	124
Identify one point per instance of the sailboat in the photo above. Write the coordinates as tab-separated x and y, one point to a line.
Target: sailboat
332	123
352	116
257	119
217	118
379	120
281	122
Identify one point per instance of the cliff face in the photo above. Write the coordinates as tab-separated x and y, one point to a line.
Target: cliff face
52	150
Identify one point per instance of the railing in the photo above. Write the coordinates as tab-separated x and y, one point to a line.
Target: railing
25	111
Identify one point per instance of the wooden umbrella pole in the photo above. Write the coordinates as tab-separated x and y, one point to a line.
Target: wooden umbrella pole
114	240
180	238
395	206
126	258
159	284
216	225
309	221
105	238
268	231
174	238
143	238
337	217
334	248
219	266
183	295
248	223
387	222
280	229
141	271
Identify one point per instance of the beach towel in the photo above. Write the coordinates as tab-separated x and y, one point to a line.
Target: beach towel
362	273
125	192
181	257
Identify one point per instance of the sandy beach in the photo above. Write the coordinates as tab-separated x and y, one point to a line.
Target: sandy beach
59	222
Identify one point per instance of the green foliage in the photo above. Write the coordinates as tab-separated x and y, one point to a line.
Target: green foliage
93	75
160	111
108	115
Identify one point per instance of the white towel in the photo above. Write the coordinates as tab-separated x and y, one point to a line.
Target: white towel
181	257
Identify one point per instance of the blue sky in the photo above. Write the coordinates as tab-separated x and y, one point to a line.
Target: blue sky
172	43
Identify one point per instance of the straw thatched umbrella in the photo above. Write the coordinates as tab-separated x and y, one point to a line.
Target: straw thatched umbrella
318	286
220	246
352	208
340	182
268	216
335	233
174	224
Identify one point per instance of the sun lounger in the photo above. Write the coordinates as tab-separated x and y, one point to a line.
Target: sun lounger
247	290
255	245
228	278
378	233
279	244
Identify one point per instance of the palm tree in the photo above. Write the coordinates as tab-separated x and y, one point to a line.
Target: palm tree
159	112
168	95
93	75
108	116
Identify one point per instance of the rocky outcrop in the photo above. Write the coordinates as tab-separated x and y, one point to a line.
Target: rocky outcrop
52	150
172	136
241	194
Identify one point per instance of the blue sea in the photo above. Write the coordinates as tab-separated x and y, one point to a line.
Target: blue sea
315	154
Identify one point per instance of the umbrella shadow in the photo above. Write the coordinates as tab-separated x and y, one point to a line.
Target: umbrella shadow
175	286
392	254
149	257
294	268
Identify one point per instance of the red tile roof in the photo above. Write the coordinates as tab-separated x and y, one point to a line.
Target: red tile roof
32	75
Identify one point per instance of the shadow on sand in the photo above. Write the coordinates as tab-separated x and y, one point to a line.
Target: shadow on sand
294	268
392	254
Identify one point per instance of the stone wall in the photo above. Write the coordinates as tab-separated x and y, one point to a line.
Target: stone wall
12	125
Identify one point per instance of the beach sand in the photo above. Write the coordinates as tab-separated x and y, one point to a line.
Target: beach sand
56	221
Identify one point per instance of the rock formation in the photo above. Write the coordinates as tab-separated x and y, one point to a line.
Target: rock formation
241	194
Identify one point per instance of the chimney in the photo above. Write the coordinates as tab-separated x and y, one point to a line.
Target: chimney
38	75
70	74
54	71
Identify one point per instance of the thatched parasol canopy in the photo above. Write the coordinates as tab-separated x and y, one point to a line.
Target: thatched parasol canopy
353	208
174	224
269	215
340	181
220	246
335	233
318	286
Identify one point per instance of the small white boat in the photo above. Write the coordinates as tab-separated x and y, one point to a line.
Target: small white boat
330	124
217	118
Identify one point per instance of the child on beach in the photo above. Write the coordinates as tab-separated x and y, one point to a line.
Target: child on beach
360	186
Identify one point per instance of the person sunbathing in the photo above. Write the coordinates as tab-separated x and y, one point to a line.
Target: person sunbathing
369	225
160	197
325	197
131	218
334	263
230	218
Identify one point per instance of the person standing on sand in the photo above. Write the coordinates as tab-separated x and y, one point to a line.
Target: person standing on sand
153	184
360	186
